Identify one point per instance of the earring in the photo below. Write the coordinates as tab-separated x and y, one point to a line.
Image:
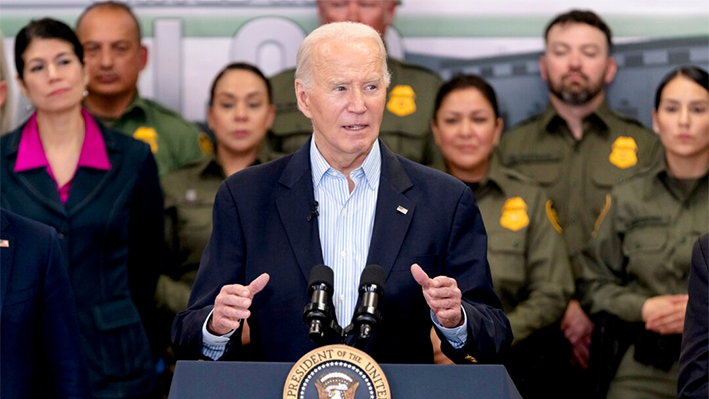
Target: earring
30	106
86	93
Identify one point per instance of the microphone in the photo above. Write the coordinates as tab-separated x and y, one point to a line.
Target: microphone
371	291
315	212
317	313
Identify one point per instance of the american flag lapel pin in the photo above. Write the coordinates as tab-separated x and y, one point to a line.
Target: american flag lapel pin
401	209
4	244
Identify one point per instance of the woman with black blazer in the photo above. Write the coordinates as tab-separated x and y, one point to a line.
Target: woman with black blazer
99	189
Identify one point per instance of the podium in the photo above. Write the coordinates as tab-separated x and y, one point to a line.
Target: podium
256	380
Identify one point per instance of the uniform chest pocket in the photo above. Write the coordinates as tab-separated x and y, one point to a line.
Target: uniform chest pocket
646	239
506	256
195	215
606	175
542	168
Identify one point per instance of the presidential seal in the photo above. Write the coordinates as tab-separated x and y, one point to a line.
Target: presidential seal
336	372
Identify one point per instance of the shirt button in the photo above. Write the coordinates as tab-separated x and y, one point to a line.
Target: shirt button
344	254
344	211
342	298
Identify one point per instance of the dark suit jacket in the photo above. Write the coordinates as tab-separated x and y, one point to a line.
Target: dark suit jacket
260	225
111	233
693	379
39	332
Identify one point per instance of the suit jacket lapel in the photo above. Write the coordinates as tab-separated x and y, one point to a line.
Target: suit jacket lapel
393	213
36	182
40	185
295	204
88	182
6	258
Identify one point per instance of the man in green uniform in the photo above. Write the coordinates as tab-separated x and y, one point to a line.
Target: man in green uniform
114	56
578	149
405	128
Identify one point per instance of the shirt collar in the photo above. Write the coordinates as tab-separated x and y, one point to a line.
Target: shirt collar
371	167
602	114
31	155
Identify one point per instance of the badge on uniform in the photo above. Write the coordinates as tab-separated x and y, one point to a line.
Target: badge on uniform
624	153
514	214
147	135
402	100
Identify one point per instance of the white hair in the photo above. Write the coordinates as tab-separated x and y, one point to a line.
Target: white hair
343	31
6	111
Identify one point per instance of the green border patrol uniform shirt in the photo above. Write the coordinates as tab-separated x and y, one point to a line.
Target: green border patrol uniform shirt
189	198
405	127
643	249
173	141
577	175
527	255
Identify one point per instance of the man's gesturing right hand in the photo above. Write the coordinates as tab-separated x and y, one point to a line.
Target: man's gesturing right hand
232	305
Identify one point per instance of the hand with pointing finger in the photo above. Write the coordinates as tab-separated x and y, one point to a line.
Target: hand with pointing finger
442	295
232	305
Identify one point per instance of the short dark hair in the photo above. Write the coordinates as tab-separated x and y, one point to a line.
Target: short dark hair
694	73
242	66
114	5
45	28
460	82
587	17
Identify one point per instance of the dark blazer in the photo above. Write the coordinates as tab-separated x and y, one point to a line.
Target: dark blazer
39	332
111	233
261	225
693	381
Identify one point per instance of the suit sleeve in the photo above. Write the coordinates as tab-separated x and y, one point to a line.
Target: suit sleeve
489	331
146	240
60	328
222	264
693	381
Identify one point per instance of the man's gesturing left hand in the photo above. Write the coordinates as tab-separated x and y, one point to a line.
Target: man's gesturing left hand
442	295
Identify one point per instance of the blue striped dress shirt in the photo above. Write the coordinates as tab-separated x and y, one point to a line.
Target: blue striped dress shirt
345	223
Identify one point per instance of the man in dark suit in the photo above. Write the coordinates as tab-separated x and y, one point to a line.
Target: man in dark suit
344	199
39	333
693	381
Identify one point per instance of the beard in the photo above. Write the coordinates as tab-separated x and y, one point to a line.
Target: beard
576	94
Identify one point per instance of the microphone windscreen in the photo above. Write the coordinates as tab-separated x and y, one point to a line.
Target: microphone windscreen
321	274
373	274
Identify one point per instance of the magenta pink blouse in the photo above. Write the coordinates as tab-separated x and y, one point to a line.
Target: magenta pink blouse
30	154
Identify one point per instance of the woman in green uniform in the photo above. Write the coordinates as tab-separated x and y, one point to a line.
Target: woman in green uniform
636	266
526	252
240	114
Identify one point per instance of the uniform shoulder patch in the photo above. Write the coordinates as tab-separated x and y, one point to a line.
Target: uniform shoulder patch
553	216
514	214
147	135
402	100
624	152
